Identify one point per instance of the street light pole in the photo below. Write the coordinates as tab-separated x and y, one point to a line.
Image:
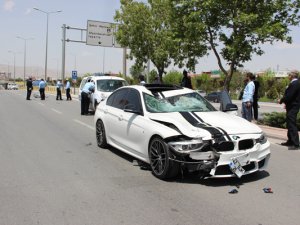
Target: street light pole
25	40
47	15
14	53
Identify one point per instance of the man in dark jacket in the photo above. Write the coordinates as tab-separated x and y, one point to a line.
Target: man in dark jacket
291	99
186	80
255	99
29	88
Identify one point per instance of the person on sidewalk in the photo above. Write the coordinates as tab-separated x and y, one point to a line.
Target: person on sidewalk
58	90
186	80
42	86
255	99
29	88
142	79
291	99
68	90
247	99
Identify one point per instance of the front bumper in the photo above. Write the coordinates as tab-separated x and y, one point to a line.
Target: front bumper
216	164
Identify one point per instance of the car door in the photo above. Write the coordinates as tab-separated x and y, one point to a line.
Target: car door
133	124
113	116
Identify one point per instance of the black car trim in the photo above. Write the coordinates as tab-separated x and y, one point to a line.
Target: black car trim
192	120
219	128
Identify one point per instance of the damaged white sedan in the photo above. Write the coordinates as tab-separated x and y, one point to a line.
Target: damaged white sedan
173	128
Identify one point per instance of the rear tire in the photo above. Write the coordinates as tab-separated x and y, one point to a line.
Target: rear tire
101	135
162	167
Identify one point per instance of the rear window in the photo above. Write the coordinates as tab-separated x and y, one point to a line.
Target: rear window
110	85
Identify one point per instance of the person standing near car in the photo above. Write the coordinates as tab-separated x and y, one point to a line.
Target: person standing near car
42	86
68	90
186	80
142	79
87	90
247	99
29	88
58	90
255	99
291	99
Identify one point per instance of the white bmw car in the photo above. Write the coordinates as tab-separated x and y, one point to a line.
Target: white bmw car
173	128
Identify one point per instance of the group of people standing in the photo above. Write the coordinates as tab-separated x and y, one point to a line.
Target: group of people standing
291	100
42	86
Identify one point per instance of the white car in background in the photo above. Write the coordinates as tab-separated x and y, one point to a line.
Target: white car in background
104	86
12	86
174	128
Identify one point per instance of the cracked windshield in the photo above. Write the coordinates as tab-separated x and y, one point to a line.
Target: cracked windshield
191	102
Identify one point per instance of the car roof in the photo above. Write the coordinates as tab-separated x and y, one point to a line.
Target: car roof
169	90
104	78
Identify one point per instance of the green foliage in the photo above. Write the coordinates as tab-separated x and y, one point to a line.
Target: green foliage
136	70
144	28
153	75
234	30
278	119
272	93
274	119
173	77
203	82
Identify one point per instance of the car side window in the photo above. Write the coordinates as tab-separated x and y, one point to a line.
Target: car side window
133	98
119	99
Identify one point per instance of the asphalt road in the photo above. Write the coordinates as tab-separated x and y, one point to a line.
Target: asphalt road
52	172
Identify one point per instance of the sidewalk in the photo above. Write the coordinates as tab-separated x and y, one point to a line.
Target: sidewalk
274	132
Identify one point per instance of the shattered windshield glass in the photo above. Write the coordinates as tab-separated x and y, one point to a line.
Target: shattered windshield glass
190	102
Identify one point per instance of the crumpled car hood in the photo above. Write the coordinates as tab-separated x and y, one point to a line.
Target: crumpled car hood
193	124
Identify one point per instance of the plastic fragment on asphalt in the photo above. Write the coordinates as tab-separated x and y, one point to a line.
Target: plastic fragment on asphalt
268	190
233	191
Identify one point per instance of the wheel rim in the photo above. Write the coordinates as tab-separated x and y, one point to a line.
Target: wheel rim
158	157
100	132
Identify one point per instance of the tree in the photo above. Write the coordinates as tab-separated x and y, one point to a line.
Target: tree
136	70
145	29
173	77
234	30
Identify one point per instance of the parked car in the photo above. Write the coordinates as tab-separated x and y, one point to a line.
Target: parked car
12	86
173	128
104	86
213	97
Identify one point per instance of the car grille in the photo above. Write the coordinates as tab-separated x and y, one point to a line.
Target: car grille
261	163
225	170
246	144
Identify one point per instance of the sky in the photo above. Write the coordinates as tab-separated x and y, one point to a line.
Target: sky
18	18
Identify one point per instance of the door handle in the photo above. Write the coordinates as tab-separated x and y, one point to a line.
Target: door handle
120	118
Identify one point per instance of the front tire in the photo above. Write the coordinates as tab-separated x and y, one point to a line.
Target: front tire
162	167
101	135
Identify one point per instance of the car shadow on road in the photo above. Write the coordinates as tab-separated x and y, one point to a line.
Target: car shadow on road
218	182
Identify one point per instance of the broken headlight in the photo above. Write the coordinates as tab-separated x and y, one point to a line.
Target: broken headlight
186	146
262	139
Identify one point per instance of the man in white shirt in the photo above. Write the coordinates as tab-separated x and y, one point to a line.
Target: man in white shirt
247	99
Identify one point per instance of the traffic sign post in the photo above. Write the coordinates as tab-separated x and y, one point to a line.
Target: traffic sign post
74	78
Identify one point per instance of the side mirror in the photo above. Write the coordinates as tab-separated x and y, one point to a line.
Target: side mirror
230	107
132	109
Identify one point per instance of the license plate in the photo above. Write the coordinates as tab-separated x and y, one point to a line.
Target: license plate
236	167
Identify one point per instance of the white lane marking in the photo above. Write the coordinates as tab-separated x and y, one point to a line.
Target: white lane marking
84	124
54	110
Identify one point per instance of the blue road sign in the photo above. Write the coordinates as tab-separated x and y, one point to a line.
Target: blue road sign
74	75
